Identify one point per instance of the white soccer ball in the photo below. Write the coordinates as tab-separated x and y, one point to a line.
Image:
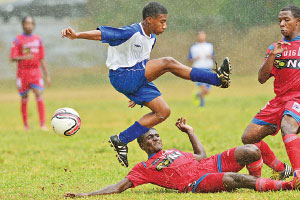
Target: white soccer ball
66	122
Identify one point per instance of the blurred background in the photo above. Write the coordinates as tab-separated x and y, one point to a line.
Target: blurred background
240	29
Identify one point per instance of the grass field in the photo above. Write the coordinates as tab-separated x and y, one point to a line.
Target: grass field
42	165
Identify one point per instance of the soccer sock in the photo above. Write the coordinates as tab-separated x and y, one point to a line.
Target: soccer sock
292	145
202	102
24	112
266	184
269	157
133	132
204	76
255	168
41	109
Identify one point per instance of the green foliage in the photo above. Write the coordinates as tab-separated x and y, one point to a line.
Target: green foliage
192	15
247	13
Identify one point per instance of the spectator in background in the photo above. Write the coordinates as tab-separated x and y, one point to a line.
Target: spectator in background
201	55
28	51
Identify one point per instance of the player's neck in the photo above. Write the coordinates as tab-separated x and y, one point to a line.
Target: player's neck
146	28
291	37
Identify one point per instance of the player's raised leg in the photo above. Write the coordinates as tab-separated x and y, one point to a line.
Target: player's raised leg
254	134
157	67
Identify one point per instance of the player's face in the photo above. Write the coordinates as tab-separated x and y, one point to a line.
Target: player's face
152	143
288	23
201	37
158	24
28	25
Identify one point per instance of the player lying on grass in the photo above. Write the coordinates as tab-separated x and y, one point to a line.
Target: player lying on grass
188	172
283	112
131	72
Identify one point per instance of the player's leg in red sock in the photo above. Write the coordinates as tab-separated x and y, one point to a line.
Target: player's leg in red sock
266	184
289	129
24	111
255	168
269	158
41	110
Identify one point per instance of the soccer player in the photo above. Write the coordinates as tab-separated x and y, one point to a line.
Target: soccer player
282	62
131	72
202	56
28	51
188	172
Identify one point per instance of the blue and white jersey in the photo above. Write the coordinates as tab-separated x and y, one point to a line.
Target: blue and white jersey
128	45
202	54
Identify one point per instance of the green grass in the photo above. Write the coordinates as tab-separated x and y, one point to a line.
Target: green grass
42	165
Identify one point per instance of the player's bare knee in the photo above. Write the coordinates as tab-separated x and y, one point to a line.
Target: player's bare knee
164	113
252	152
231	180
246	138
289	125
168	61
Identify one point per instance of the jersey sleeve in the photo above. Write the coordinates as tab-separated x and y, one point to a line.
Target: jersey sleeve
116	36
15	49
42	50
138	175
190	57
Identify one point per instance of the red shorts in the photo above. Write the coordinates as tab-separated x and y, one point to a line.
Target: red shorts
212	171
272	113
28	79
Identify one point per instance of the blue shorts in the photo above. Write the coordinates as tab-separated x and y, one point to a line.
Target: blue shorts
133	84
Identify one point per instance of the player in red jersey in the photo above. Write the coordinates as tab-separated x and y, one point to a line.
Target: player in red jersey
28	51
188	172
283	112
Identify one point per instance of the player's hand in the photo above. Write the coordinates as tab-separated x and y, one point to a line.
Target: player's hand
131	104
183	126
68	33
48	81
278	48
74	195
28	56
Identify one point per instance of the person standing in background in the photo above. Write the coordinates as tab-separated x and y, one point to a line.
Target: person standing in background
201	55
28	51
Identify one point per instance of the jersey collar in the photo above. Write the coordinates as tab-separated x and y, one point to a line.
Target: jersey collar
143	32
295	39
27	35
150	156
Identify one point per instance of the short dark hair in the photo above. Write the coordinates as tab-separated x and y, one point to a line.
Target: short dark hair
294	9
141	138
153	9
27	17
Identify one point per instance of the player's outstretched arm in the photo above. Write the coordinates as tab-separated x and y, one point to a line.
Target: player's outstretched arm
264	72
199	151
111	189
88	35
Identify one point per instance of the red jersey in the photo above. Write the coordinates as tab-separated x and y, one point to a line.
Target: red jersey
172	169
24	44
286	68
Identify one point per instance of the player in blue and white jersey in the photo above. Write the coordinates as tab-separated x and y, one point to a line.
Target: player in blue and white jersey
201	55
131	71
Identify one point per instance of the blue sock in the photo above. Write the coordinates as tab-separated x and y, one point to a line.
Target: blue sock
205	76
202	102
133	132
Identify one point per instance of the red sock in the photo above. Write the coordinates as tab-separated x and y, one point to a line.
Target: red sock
269	157
292	145
41	109
255	168
24	112
266	184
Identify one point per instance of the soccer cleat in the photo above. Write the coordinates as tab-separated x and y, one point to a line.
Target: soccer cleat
288	171
223	73
121	149
296	180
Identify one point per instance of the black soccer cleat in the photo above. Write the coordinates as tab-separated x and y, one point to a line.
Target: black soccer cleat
223	73
288	171
121	149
